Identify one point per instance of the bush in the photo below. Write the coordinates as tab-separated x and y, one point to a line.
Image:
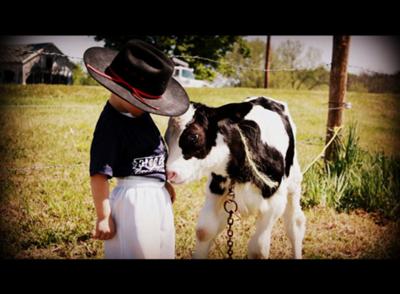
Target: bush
356	179
80	77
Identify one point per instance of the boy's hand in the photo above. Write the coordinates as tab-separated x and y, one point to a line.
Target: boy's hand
171	191
105	229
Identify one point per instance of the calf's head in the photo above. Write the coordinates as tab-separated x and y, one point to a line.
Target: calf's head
192	136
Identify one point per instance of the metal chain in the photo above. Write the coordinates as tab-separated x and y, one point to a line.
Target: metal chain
230	200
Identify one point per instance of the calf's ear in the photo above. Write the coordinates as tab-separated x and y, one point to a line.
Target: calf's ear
233	111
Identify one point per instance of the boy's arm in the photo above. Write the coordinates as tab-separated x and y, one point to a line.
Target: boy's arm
171	191
105	228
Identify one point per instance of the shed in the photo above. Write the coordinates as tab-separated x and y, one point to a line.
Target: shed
34	63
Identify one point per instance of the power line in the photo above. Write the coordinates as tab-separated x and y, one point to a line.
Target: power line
241	67
238	67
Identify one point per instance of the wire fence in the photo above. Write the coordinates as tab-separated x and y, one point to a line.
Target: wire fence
41	52
345	105
219	62
253	68
189	57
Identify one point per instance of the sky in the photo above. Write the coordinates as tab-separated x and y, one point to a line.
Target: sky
376	53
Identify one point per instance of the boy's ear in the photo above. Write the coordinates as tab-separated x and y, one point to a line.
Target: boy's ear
233	111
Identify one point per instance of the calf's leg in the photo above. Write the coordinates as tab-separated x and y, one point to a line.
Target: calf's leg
270	210
294	219
295	222
212	220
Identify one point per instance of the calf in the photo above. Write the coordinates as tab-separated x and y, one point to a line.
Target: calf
249	146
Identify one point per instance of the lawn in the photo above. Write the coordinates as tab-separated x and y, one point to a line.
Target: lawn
46	205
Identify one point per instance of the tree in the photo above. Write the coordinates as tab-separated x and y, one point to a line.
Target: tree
248	70
287	56
210	47
303	71
309	72
312	78
374	82
312	74
312	58
80	77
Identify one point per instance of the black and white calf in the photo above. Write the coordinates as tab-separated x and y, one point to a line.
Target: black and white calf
250	144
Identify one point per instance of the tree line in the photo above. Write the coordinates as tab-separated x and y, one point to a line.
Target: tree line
243	62
295	67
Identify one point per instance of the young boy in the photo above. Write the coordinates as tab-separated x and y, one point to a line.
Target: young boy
136	219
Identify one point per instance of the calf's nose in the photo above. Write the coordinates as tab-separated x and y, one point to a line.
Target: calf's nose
171	175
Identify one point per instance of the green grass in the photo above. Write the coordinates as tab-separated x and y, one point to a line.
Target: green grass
47	211
355	178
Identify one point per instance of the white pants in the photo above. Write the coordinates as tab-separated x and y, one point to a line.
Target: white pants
142	211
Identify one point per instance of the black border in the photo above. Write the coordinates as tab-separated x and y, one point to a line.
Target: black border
233	17
325	275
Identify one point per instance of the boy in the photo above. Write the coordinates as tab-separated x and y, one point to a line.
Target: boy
136	219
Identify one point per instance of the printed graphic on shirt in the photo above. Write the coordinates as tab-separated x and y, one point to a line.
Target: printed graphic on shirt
148	165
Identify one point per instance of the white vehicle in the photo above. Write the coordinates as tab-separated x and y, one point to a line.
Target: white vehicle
185	76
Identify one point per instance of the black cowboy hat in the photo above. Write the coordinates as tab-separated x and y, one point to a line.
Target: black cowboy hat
140	74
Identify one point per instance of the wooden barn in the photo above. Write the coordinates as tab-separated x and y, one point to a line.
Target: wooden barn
29	64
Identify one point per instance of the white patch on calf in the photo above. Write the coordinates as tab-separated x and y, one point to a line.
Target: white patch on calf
249	200
217	159
271	126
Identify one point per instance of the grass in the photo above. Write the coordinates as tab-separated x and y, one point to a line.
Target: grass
46	207
355	178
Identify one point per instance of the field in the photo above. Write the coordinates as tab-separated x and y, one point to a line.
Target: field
46	207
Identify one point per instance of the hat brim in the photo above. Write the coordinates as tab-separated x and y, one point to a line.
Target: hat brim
173	102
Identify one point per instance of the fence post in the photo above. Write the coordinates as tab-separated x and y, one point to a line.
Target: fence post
267	61
337	90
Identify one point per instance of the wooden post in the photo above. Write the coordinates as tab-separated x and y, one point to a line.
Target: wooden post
337	90
267	59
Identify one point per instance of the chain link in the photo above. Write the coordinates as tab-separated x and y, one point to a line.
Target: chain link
230	210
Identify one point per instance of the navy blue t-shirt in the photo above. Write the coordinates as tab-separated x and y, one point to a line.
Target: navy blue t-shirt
127	146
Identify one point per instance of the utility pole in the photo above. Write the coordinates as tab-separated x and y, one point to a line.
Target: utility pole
267	60
337	90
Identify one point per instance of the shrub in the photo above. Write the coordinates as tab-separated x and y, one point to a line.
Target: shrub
355	179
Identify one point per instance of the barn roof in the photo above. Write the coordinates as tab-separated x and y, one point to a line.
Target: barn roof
21	53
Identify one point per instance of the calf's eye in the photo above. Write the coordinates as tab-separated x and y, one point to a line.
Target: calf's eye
193	138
